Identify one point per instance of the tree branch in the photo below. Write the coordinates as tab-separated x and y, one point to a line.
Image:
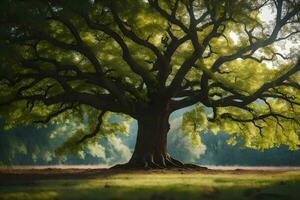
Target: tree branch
95	131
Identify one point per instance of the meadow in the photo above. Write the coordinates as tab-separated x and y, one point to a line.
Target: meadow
48	184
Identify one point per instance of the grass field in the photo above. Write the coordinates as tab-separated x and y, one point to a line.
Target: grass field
149	185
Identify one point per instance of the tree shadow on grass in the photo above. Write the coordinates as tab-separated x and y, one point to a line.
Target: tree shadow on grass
145	186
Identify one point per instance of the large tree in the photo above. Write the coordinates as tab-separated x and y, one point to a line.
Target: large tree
235	62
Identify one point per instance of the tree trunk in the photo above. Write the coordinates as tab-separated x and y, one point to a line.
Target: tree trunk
151	143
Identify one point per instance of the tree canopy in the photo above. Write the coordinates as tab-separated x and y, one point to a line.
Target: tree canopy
81	61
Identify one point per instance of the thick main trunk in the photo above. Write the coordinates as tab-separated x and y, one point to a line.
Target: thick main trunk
151	143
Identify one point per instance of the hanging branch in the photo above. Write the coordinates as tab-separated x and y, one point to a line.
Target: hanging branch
95	131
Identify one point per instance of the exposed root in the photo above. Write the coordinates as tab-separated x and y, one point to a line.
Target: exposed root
163	162
125	166
195	167
171	164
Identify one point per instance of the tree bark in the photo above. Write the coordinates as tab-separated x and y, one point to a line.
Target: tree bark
151	144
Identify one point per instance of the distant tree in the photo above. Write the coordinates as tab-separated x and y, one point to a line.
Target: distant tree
144	59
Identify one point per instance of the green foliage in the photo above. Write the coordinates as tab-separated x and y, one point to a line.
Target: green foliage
66	62
265	133
194	122
85	124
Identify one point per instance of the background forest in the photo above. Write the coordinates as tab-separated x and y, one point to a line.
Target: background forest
32	146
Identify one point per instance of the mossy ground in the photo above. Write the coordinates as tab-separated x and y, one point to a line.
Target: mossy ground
150	185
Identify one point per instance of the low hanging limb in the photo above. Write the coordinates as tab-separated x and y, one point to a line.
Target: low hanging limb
55	114
95	131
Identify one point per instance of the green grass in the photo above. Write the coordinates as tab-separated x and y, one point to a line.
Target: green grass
159	186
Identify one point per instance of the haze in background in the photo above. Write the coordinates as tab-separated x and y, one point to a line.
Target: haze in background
31	146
